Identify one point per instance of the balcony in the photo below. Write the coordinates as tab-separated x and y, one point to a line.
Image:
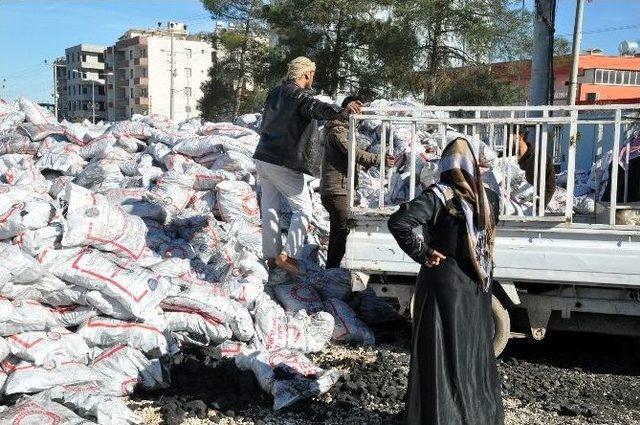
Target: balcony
141	61
141	81
142	100
122	63
92	65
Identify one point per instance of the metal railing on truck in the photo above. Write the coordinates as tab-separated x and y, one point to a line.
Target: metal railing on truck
493	125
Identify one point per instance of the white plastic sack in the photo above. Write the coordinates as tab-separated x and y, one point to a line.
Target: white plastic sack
196	328
276	329
137	290
237	201
25	377
303	378
24	315
299	296
23	268
73	315
34	410
348	328
89	400
122	367
93	220
105	332
217	308
35	113
39	346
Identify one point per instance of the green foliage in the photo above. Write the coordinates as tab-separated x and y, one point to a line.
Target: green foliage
473	85
389	48
353	42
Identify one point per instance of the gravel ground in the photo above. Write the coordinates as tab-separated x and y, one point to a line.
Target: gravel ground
566	379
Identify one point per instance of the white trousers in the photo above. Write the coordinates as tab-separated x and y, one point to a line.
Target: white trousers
275	180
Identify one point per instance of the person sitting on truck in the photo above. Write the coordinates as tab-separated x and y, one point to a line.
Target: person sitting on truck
333	184
453	377
289	111
527	161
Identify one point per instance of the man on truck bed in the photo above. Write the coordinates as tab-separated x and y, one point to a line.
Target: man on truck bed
333	185
527	163
288	114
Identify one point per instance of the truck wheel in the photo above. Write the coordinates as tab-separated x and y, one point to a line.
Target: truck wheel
501	326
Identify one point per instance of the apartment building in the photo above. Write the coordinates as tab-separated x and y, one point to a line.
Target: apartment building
148	67
85	95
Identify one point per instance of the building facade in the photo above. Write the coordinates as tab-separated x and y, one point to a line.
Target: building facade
157	71
85	72
601	78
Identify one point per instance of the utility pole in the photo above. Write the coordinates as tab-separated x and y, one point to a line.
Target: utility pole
55	89
541	88
93	100
171	94
577	40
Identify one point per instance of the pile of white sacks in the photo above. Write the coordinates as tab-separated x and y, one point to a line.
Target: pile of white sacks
519	200
121	243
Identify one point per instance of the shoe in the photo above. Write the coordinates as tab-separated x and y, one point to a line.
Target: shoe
288	264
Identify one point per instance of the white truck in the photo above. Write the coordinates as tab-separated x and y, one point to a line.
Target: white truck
566	271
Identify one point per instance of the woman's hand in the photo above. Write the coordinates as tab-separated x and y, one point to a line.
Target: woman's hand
434	259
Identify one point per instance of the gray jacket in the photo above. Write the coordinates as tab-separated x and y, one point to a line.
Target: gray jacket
335	163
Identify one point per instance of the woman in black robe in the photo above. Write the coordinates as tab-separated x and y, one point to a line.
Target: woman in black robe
453	377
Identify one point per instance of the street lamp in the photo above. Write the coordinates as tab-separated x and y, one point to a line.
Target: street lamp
93	94
111	74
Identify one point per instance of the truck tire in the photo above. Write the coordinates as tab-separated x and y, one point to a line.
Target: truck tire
501	325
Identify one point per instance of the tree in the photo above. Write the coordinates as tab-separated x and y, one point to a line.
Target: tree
240	46
346	38
234	87
459	86
461	33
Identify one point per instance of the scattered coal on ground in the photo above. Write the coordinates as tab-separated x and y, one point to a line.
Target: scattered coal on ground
565	379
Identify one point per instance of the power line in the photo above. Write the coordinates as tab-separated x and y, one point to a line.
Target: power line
608	29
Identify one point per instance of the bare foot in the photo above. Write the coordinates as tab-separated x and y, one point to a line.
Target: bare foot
288	264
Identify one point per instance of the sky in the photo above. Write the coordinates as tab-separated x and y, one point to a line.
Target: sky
32	31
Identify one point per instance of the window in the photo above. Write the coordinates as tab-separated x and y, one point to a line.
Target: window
131	54
84	57
85	90
131	91
187	91
187	71
69	105
131	74
188	52
203	51
78	56
101	90
143	72
79	88
68	75
85	106
68	61
100	57
74	105
143	53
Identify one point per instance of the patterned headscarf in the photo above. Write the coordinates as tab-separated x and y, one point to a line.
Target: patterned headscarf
460	180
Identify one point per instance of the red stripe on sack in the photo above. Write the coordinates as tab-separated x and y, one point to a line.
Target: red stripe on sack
92	324
206	316
98	276
344	324
109	353
24	343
